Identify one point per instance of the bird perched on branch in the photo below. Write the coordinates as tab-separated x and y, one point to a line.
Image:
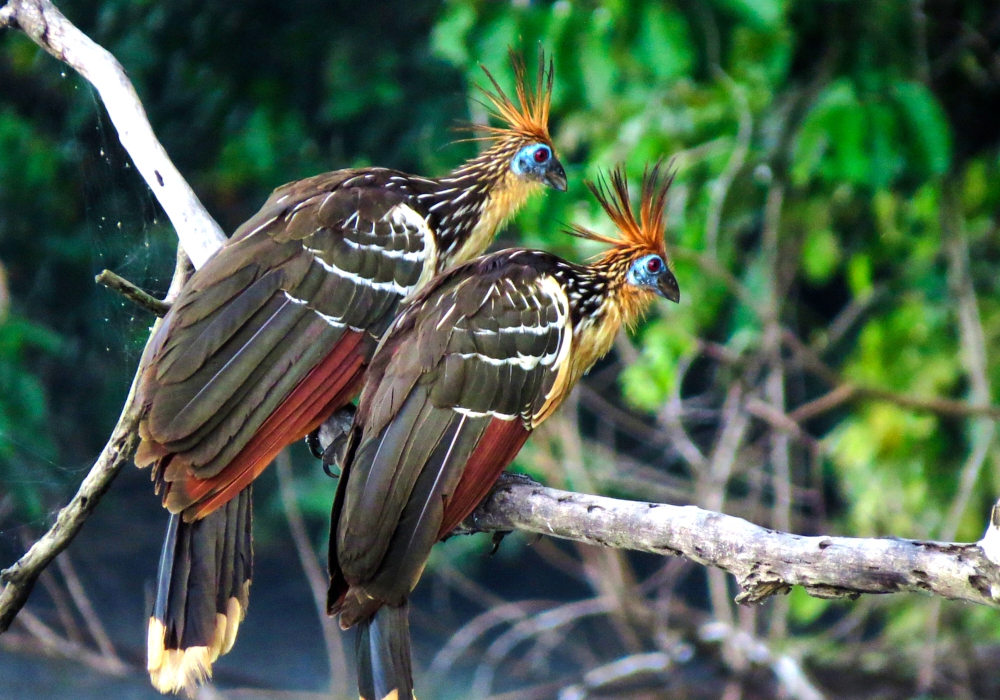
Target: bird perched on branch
274	333
475	363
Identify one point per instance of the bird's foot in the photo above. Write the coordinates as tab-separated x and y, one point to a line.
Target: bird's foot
327	442
514	479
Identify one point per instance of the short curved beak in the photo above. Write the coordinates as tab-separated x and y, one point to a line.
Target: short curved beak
667	287
556	176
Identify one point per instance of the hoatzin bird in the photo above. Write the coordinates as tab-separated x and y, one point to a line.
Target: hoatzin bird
470	367
274	333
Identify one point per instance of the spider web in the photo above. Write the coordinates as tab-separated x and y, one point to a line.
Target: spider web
126	232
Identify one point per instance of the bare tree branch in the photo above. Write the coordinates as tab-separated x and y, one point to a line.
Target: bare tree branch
765	562
133	293
200	236
54	645
4	293
20	578
974	356
315	575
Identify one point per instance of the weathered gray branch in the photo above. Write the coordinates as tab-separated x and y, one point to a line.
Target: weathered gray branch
764	562
19	579
200	236
133	293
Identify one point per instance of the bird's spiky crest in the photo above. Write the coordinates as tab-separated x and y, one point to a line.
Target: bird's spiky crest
529	118
635	236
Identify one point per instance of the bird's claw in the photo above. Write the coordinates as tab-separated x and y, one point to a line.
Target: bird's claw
514	479
327	442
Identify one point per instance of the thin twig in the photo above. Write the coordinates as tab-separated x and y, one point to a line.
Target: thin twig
4	294
133	293
670	417
63	608
551	619
82	602
847	391
720	188
973	343
315	576
476	629
55	645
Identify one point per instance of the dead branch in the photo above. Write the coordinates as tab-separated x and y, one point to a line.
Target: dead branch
51	644
315	575
765	562
4	293
133	293
197	231
200	236
20	578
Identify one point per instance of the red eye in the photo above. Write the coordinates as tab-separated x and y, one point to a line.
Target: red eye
541	155
654	265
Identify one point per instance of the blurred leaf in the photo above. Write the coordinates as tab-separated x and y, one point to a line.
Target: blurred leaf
820	255
448	39
664	45
831	141
761	13
928	126
804	608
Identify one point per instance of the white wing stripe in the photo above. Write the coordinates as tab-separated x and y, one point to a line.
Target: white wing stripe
482	414
391	286
526	362
416	255
530	330
330	320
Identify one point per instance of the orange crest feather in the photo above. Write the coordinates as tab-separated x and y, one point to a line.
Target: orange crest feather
645	235
529	118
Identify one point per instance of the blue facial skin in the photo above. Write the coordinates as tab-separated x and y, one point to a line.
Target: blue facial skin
538	162
652	272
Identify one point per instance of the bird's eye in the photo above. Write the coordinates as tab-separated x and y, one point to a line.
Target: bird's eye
654	265
541	154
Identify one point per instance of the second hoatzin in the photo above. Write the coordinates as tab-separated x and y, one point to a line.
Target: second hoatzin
274	333
475	363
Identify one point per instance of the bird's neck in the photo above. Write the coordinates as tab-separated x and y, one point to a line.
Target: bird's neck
469	205
603	304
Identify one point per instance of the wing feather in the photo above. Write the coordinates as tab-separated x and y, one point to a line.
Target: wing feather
325	260
445	407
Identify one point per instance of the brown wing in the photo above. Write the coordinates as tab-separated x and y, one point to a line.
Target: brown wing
465	369
274	329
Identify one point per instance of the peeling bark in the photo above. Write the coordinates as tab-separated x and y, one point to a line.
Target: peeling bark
765	562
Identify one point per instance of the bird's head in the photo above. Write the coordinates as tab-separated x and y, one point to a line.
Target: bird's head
636	264
523	147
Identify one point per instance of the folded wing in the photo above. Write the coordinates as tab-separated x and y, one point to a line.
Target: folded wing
450	398
273	331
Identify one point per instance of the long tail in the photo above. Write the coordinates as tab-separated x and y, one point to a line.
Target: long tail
202	592
384	671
